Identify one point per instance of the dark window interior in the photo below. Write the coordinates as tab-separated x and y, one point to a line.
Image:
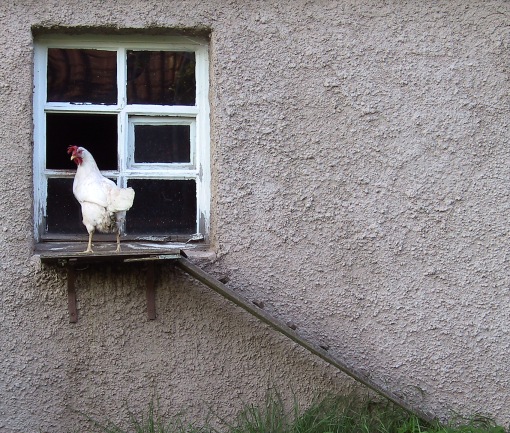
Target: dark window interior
162	143
161	77
63	213
95	132
162	207
82	75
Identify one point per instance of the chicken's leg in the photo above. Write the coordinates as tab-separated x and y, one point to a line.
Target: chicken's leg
89	246
118	242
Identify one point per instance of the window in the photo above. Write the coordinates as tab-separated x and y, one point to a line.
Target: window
140	106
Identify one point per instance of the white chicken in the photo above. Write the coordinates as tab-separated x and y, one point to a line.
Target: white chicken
103	203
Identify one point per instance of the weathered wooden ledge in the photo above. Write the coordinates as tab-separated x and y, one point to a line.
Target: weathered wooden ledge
65	252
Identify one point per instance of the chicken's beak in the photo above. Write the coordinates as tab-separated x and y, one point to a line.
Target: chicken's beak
72	157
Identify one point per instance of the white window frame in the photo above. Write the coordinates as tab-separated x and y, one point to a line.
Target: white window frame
196	116
148	120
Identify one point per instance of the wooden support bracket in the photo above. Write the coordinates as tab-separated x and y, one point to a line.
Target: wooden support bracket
150	291
69	259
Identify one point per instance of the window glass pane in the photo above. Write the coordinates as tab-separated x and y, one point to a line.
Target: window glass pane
95	132
63	213
161	77
162	143
78	75
162	207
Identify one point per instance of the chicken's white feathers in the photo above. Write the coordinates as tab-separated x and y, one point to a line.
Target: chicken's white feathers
120	199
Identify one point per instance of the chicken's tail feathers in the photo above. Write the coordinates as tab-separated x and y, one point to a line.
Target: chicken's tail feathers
121	199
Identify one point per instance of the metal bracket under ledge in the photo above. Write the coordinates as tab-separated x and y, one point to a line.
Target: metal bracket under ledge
149	258
149	290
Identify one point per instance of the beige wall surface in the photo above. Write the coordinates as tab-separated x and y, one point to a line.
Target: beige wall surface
360	166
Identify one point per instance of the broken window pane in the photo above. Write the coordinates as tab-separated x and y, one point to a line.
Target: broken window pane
95	132
82	75
162	207
161	77
162	144
63	212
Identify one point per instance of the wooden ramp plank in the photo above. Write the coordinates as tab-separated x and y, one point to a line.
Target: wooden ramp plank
283	328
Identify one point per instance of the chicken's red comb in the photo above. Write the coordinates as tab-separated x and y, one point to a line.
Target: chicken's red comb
72	149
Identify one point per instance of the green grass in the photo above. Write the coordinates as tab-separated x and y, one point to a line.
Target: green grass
328	415
152	422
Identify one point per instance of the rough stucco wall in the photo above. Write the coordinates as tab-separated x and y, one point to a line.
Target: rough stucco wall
360	188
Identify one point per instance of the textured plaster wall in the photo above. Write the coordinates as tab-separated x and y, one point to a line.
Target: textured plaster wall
360	163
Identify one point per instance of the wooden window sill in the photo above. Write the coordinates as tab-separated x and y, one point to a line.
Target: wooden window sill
64	253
